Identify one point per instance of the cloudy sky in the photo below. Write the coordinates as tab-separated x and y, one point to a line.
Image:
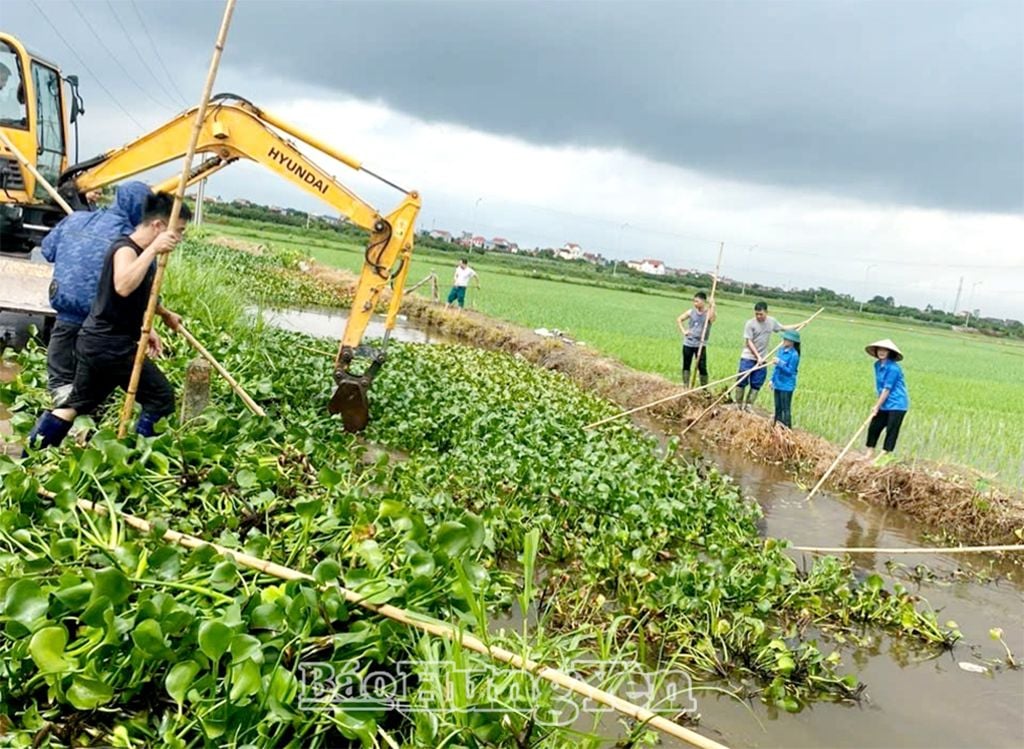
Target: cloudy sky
871	147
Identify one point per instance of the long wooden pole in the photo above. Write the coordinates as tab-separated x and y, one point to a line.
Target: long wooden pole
732	387
431	626
35	173
707	315
161	264
239	390
922	550
192	340
839	457
666	399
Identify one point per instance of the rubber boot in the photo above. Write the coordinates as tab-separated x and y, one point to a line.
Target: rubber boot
49	431
146	424
686	377
703	380
751	397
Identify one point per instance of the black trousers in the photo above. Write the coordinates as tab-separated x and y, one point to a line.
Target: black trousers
784	407
60	359
689	352
96	379
890	421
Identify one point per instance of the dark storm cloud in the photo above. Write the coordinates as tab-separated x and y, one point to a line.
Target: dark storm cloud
909	102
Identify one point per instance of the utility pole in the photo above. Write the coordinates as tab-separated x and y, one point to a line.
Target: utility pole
197	217
959	290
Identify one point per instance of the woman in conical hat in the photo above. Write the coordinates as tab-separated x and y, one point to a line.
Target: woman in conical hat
893	401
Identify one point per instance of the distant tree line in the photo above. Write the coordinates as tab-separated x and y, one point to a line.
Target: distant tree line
542	263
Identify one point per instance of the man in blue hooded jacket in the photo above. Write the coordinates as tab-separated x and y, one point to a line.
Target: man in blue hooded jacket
77	247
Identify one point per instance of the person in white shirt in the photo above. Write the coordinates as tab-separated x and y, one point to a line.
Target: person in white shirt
463	274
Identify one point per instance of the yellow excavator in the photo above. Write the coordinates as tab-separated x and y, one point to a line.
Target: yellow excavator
233	129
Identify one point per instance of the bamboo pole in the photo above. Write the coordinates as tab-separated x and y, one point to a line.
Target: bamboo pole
179	194
239	390
839	457
433	627
724	395
707	316
922	550
674	396
35	173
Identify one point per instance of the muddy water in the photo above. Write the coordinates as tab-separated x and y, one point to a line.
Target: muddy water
913	699
330	323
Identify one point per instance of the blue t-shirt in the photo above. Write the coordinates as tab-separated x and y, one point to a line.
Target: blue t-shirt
889	376
784	374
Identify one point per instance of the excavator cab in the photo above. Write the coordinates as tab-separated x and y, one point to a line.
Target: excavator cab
34	116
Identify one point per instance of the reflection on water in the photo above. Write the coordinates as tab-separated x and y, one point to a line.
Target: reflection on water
913	699
329	323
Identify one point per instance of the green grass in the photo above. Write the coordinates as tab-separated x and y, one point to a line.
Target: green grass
966	396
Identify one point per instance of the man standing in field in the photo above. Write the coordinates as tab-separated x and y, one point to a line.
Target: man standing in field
695	325
463	273
757	334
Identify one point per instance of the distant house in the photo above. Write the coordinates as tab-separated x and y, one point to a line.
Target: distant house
500	244
478	243
596	258
649	266
513	248
570	251
441	234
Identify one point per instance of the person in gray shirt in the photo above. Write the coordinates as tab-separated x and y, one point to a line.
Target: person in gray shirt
757	335
695	336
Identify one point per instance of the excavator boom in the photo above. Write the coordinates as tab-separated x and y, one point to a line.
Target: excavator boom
233	129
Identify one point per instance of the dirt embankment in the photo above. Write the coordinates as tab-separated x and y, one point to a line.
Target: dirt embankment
947	498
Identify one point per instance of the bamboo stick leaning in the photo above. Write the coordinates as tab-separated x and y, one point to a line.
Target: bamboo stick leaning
239	390
674	396
35	173
192	340
431	626
839	457
161	265
922	550
732	387
707	315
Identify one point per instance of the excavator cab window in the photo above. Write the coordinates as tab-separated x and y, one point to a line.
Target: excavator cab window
49	123
12	89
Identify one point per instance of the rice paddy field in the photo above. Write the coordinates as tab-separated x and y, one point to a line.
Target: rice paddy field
473	500
966	391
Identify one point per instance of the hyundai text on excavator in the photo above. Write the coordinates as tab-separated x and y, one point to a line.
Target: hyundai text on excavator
233	129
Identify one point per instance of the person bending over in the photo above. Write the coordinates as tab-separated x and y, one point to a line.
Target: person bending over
108	338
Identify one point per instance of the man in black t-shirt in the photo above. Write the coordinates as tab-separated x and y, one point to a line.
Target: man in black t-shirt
108	338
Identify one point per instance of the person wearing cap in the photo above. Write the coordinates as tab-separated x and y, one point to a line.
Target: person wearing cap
783	382
893	401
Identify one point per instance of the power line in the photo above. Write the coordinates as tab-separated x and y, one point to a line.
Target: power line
131	39
156	52
86	67
113	57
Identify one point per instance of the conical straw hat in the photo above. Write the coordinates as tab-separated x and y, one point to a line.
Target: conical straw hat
886	343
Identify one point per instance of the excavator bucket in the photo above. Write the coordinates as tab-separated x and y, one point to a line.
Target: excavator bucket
351	400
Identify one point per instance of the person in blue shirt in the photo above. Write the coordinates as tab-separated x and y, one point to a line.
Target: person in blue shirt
783	382
77	247
892	404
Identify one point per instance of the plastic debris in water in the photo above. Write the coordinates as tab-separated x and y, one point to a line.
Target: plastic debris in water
974	668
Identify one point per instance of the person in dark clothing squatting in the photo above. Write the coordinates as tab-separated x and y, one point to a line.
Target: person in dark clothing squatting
109	336
893	401
77	247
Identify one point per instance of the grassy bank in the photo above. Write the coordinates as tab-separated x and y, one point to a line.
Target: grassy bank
479	474
966	405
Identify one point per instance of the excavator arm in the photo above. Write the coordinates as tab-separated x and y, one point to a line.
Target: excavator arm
233	129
